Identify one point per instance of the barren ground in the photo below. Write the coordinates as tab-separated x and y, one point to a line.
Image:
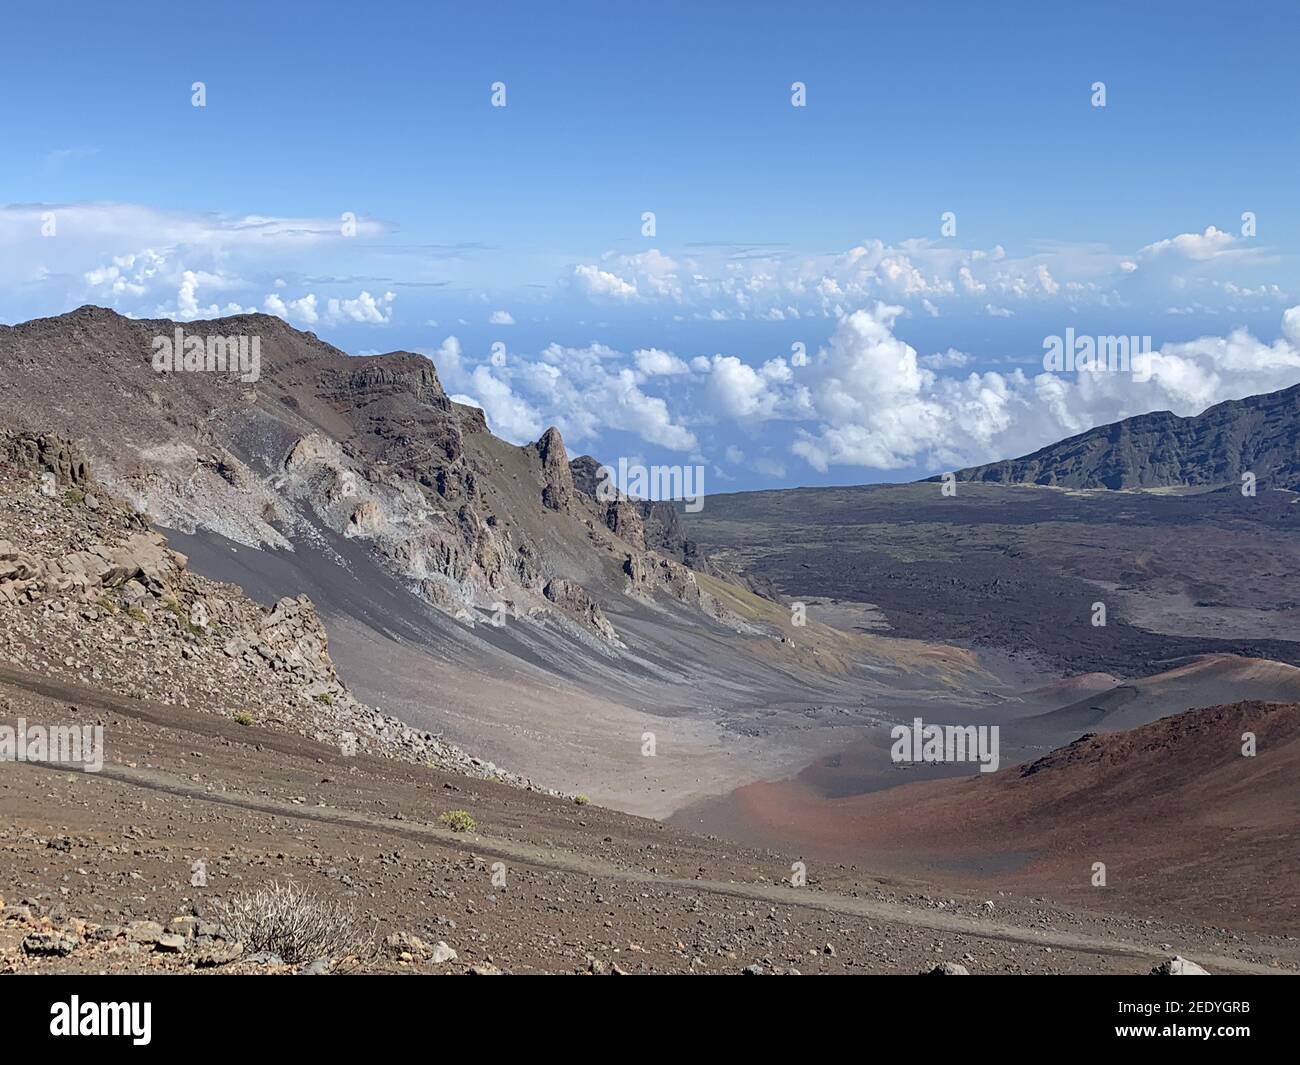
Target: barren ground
585	887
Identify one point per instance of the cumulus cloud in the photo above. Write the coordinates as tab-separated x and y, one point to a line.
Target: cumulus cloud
364	308
746	393
655	363
508	414
142	260
582	391
300	310
1200	246
597	282
878	405
722	283
501	318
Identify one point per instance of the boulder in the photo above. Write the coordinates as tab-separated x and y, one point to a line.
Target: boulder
49	944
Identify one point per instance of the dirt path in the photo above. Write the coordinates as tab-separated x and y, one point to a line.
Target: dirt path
298	788
585	865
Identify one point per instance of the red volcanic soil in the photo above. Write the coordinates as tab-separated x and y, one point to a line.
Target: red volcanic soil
1186	825
1061	692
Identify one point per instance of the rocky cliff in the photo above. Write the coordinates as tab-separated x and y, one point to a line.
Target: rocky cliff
367	447
89	591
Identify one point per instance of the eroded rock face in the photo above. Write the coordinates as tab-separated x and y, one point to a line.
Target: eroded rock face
557	478
85	592
43	451
650	573
369	446
574	599
366	519
647	525
623	519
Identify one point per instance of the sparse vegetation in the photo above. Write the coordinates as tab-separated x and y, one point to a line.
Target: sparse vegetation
458	821
183	617
243	718
74	495
137	614
581	800
288	920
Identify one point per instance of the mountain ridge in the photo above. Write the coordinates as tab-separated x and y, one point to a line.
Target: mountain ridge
1258	434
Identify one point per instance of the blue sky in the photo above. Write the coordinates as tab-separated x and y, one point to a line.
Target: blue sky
774	225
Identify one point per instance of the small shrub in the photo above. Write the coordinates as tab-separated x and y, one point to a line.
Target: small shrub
581	800
458	821
243	718
136	613
288	920
75	495
106	603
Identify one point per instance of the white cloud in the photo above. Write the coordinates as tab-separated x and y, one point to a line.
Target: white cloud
508	415
300	310
365	308
583	391
500	318
952	359
655	363
1198	246
597	282
877	405
746	393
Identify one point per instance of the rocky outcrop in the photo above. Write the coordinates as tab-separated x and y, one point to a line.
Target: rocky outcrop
623	518
45	452
647	525
86	593
575	600
557	478
586	475
290	638
142	566
648	574
366	519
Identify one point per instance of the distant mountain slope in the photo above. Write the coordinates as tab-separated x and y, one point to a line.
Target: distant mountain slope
1179	817
1260	435
1205	680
